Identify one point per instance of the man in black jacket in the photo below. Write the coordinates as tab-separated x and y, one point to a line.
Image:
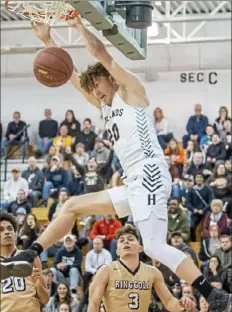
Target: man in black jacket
20	202
197	164
87	136
12	137
68	263
35	179
215	152
48	129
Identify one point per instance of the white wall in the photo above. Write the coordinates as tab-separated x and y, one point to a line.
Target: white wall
174	97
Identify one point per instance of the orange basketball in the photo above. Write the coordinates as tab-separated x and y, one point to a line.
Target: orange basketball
53	67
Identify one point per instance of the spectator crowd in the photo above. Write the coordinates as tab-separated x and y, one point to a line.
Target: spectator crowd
80	159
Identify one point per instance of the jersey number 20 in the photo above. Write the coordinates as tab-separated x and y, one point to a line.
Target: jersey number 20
13	284
134	304
114	134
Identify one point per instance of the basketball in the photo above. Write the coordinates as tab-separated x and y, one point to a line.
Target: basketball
53	67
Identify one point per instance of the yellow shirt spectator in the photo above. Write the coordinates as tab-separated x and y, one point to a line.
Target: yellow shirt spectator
63	140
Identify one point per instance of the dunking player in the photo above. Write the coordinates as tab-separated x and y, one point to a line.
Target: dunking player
124	103
127	283
18	293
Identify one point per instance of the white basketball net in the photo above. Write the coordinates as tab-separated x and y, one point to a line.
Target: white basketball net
47	12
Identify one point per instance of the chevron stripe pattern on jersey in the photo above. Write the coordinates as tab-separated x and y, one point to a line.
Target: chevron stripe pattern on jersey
152	180
143	131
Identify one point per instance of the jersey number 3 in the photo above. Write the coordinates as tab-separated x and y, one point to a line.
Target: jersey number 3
114	134
134	304
13	284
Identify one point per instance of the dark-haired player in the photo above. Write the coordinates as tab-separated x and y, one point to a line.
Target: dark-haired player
127	283
124	103
19	294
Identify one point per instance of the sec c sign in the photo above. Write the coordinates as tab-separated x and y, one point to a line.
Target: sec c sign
210	77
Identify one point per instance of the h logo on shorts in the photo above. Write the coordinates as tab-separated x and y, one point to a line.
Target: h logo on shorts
151	199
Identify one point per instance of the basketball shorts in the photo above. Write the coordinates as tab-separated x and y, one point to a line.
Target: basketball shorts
144	194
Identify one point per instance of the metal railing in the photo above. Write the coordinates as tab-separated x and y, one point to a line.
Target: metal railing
18	146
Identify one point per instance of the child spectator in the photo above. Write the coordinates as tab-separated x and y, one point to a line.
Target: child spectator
206	140
162	128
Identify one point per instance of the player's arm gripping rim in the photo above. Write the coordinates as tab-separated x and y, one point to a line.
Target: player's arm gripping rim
97	288
43	32
96	47
170	303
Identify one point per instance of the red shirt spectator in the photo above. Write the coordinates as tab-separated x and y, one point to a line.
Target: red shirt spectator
105	229
215	217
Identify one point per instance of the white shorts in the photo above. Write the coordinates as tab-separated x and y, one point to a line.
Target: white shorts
144	194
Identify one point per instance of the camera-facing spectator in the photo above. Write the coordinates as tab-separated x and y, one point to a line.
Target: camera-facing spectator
86	136
215	152
100	152
196	126
35	179
206	140
191	149
175	155
12	186
57	206
95	258
53	151
48	129
30	230
188	182
63	140
177	219
215	217
209	244
71	123
215	272
163	131
12	135
51	286
219	122
197	164
80	155
20	202
224	253
67	265
198	202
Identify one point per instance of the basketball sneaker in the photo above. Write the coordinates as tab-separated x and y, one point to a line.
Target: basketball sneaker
20	265
219	301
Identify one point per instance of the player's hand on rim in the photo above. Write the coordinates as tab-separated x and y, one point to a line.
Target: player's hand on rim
41	30
186	304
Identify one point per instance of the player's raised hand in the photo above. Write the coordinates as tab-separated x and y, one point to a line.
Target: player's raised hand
42	31
186	304
36	276
74	22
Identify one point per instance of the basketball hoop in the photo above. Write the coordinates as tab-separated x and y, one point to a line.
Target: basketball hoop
47	12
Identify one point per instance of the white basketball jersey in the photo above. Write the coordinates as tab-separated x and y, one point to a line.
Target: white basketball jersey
133	134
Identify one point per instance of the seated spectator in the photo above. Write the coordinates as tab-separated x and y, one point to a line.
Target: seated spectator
57	206
197	164
191	149
177	219
94	175
63	140
162	128
67	265
20	202
100	152
215	217
63	294
195	127
64	307
12	136
75	186
175	158
12	186
80	155
226	137
106	229
30	230
187	290
53	151
95	258
35	179
177	241
56	179
51	286
224	253
214	272
86	136
170	278
48	129
204	306
20	216
206	140
219	122
71	123
209	244
198	202
188	182
221	183
228	166
215	152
